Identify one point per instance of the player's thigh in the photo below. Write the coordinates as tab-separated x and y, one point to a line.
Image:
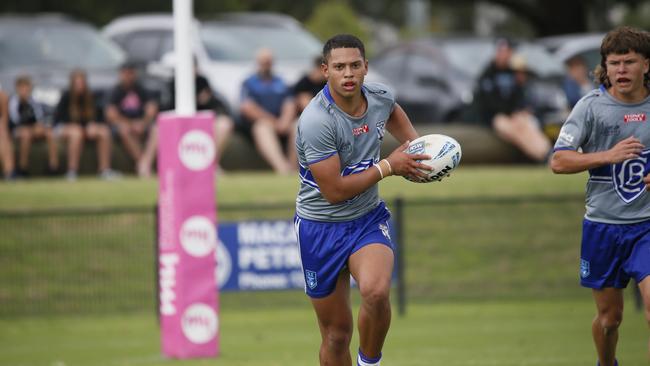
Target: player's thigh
372	267
333	311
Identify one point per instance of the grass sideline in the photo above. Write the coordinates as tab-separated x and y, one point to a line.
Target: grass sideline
541	333
265	187
495	249
542	316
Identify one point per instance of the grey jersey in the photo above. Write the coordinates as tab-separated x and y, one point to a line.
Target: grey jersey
324	130
615	193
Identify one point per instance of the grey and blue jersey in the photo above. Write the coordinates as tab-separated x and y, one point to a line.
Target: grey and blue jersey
324	130
615	193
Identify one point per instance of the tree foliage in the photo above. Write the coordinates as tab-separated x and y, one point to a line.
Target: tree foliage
330	18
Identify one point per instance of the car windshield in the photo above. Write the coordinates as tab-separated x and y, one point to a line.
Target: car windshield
540	61
468	57
43	45
238	43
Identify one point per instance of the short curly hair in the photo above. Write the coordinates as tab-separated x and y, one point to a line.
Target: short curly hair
619	41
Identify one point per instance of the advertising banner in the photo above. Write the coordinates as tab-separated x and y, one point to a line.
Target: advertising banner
189	312
260	255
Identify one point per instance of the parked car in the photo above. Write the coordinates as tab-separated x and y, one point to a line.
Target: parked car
435	77
47	47
224	47
567	46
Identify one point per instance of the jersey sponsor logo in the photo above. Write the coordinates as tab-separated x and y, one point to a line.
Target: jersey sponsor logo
628	177
584	268
634	117
311	278
360	130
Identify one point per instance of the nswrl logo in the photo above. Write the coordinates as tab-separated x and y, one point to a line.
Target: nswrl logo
584	268
311	279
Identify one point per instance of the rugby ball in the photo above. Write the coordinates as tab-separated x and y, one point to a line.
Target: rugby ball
445	153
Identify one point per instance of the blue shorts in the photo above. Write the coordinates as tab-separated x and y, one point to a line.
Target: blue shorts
325	247
611	254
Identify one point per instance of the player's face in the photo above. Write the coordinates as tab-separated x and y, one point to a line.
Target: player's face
345	70
625	73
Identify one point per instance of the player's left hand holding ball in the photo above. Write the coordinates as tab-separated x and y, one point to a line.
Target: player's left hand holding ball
408	165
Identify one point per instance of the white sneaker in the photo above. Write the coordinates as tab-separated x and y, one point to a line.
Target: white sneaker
110	174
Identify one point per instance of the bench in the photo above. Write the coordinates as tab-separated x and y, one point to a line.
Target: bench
479	143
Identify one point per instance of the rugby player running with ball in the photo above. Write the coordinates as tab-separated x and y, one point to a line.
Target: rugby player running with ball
341	224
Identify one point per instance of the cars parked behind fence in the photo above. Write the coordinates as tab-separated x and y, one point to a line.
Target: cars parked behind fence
435	77
47	47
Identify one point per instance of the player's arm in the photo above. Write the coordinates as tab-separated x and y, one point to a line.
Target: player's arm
336	188
399	125
570	161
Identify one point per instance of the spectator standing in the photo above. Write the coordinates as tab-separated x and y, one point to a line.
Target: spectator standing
309	85
76	120
131	110
268	115
501	97
27	123
576	83
205	100
6	143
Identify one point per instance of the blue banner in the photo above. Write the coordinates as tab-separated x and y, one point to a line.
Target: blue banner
259	255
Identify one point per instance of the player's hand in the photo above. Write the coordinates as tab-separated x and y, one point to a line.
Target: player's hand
630	148
406	164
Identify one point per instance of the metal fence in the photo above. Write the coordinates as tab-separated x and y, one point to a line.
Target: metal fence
103	260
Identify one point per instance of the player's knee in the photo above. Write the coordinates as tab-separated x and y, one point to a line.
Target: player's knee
337	338
377	294
610	320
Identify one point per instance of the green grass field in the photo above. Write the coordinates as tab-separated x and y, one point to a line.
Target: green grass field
543	332
491	276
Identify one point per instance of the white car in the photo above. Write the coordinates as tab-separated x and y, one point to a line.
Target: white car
224	48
